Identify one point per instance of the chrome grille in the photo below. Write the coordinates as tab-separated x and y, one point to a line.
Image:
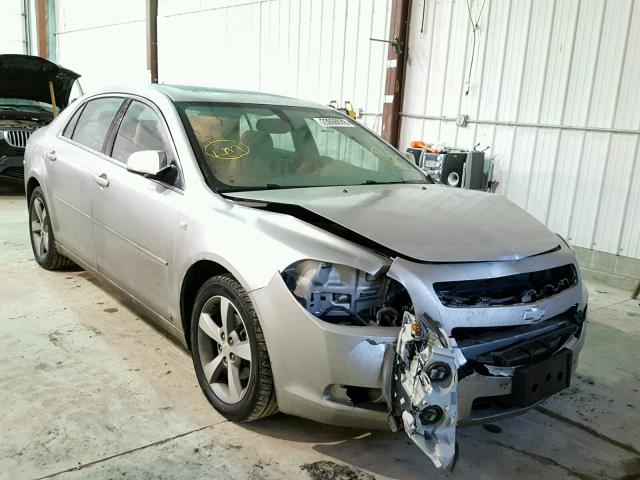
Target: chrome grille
17	138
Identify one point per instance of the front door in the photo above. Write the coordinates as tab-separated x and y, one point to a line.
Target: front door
135	217
71	166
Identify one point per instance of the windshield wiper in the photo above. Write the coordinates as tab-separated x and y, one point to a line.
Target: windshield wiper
376	182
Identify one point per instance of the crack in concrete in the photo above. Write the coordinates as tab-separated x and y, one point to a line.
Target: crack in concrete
587	429
127	452
547	461
37	312
607	306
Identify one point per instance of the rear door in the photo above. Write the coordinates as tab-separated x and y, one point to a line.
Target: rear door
71	166
135	217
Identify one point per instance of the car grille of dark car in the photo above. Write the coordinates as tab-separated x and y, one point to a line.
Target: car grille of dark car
17	138
516	289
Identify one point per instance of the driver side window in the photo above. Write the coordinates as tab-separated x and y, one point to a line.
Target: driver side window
141	129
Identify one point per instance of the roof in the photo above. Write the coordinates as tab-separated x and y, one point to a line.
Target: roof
187	93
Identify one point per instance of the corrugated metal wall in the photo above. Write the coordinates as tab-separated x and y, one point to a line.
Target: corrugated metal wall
105	42
316	50
551	62
13	35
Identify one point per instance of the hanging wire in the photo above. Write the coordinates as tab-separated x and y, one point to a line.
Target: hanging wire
474	29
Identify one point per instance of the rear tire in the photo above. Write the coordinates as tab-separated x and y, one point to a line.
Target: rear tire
229	352
43	241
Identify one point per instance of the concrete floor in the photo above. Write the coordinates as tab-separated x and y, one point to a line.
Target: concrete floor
88	389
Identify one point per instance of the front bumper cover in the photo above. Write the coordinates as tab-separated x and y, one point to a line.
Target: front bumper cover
316	358
315	355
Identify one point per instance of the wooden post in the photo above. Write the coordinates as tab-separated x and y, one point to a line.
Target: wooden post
394	83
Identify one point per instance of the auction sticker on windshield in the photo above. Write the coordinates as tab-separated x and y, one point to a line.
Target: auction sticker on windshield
333	122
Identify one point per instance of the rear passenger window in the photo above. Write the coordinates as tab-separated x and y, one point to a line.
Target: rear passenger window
68	130
141	129
94	122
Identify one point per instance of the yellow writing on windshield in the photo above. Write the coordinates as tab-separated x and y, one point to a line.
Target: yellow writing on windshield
226	149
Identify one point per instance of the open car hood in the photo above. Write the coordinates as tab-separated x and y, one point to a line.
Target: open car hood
27	77
428	223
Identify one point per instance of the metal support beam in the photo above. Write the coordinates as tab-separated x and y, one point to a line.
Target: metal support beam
505	123
394	84
152	39
28	46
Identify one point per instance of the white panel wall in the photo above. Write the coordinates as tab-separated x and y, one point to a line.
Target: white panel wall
558	62
12	26
317	50
105	41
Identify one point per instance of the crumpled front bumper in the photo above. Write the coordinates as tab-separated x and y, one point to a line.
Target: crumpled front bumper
309	357
312	360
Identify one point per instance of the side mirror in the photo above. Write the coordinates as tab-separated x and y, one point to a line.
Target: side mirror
147	162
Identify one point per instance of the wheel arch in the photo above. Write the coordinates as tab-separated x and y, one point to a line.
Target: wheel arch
32	184
194	278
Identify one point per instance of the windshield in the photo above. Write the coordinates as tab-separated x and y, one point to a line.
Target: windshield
249	147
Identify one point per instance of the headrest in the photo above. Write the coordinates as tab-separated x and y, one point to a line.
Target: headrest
257	140
273	125
148	135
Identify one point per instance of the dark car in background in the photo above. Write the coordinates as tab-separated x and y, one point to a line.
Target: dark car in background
32	92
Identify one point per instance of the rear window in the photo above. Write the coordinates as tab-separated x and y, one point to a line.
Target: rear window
94	122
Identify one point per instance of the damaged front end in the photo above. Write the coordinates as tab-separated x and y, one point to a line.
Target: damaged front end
419	370
421	379
430	347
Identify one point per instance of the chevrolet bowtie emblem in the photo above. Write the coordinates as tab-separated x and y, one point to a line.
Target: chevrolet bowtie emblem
535	314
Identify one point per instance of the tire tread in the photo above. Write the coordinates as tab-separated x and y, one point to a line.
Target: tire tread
266	403
55	260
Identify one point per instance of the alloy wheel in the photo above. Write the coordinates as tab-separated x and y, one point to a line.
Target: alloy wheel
39	228
224	349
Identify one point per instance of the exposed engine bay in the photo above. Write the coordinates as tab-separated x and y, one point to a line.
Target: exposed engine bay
343	295
33	123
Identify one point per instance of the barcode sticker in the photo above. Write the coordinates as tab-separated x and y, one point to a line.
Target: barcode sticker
333	122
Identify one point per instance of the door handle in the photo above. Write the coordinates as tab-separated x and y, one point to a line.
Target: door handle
102	180
51	156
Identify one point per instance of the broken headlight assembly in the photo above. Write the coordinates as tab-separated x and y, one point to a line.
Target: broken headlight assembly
345	295
420	390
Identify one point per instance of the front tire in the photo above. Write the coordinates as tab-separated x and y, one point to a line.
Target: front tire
43	242
229	352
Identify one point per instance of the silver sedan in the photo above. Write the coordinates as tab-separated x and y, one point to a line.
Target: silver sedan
307	265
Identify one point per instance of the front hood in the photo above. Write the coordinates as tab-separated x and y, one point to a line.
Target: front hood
28	77
430	223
